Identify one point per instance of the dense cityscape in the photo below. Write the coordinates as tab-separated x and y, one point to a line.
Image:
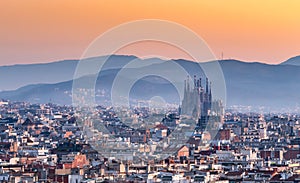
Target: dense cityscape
48	143
136	91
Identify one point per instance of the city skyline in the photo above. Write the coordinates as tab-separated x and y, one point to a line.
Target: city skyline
149	91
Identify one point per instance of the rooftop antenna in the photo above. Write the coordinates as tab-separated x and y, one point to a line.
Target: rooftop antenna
222	56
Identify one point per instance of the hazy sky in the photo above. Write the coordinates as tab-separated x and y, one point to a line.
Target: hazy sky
251	30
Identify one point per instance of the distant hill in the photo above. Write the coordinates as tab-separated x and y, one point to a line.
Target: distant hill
16	76
257	84
248	84
292	61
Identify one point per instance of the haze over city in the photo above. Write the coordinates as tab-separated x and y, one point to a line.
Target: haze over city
138	91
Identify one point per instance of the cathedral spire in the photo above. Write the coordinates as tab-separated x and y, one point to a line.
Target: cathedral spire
210	97
200	83
195	82
206	85
188	83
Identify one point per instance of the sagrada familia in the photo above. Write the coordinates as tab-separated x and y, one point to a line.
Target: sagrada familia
197	101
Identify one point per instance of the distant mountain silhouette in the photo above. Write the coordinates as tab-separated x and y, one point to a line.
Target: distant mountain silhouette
248	84
292	61
16	76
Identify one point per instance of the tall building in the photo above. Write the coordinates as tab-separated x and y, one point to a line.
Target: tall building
197	100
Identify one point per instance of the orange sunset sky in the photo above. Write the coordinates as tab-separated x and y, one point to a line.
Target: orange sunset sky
35	31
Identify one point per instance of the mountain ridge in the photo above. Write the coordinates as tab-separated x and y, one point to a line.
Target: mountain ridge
247	83
292	61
